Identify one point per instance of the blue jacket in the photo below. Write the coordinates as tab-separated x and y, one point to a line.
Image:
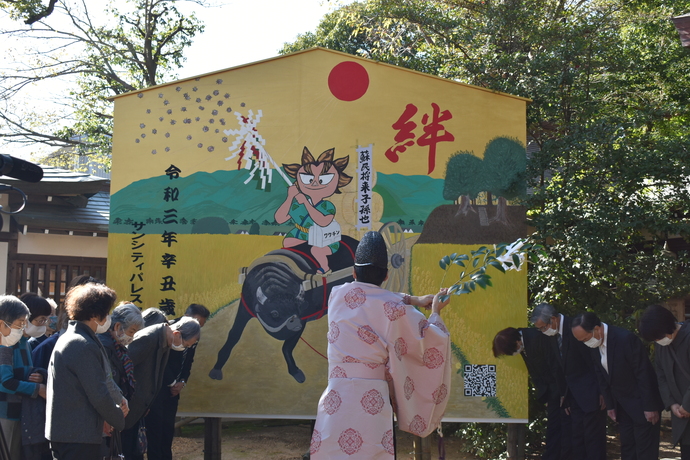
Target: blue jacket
15	368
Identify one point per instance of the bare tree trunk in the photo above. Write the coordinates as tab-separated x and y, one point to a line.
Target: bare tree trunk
501	215
516	441
465	206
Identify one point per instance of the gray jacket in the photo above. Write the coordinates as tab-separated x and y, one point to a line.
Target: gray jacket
78	398
149	353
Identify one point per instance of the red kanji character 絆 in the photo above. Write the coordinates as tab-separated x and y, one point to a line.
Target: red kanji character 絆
435	132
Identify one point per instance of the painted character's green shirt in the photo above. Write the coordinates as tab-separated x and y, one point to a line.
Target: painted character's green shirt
302	220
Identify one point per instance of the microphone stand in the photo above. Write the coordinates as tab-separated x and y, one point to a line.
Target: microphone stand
8	188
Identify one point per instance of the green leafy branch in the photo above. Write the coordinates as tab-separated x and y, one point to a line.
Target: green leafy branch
503	257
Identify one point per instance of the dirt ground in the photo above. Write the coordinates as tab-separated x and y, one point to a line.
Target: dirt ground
289	440
281	440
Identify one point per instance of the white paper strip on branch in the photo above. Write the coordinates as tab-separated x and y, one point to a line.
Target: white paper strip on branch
249	146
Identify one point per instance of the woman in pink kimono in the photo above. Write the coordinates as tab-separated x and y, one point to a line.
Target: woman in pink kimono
381	350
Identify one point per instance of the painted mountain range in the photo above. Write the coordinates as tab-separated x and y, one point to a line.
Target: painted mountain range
223	195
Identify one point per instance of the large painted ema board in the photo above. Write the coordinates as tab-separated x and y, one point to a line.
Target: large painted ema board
209	180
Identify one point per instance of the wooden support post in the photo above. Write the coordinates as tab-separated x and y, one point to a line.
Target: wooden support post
212	445
516	441
522	442
422	448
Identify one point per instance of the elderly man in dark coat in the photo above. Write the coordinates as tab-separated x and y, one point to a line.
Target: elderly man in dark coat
149	353
628	382
672	361
582	398
160	421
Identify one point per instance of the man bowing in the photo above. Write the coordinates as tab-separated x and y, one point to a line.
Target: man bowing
628	383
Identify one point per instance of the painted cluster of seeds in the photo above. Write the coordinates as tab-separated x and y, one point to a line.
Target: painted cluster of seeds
197	111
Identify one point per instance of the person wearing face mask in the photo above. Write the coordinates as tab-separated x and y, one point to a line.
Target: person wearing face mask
35	340
126	320
79	396
581	397
34	444
537	351
201	314
149	352
160	421
40	311
672	362
18	379
41	353
628	383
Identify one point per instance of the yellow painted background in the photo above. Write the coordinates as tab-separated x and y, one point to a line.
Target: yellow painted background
473	320
299	110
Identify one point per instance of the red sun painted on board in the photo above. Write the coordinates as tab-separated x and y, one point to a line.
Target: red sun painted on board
348	81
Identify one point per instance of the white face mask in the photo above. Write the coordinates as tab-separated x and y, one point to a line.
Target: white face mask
550	331
124	339
13	337
103	328
593	343
35	331
180	347
666	341
519	350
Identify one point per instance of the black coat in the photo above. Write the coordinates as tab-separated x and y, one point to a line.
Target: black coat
578	368
542	364
630	381
180	363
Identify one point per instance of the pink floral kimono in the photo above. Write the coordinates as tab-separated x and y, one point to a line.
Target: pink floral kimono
375	342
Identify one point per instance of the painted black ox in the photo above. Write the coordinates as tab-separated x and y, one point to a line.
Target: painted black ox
283	291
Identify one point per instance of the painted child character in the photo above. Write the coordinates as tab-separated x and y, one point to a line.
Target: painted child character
305	205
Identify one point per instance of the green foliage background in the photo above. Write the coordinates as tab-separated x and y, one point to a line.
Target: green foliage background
609	150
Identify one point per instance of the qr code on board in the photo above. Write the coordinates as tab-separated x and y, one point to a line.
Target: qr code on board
480	380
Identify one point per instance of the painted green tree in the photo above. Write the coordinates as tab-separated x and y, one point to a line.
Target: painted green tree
464	180
504	173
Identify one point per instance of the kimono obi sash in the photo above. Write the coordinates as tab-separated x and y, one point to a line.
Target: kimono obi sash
357	371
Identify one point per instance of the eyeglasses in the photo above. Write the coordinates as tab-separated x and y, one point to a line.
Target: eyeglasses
543	328
11	326
40	322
